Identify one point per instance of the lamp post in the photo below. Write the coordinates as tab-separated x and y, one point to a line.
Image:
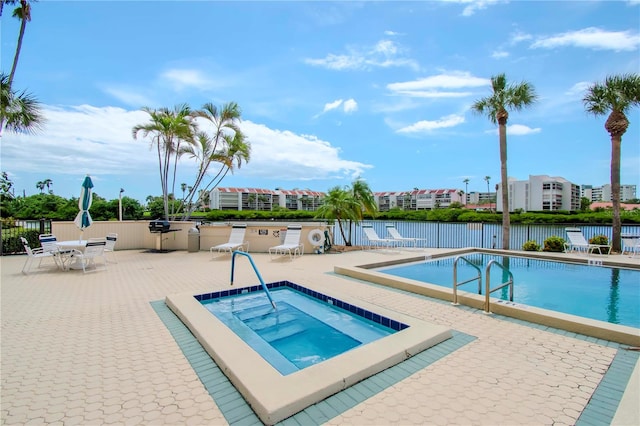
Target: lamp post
120	205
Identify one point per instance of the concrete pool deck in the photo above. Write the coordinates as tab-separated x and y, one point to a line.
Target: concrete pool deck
90	349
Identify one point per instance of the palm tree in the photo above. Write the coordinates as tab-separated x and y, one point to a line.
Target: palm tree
617	95
365	201
466	190
504	97
227	145
19	112
22	12
40	185
487	179
339	205
48	183
168	128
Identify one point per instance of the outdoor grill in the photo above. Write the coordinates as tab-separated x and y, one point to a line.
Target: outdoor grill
159	227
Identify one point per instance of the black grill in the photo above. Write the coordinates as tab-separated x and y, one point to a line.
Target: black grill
159	226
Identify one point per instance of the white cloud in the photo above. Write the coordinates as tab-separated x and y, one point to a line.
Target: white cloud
430	87
129	96
384	54
517	130
85	139
473	5
499	54
186	78
332	105
350	105
578	89
427	126
591	38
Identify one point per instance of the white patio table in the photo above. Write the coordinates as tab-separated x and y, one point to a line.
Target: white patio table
76	263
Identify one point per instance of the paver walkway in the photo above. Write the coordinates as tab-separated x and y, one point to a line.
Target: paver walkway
90	349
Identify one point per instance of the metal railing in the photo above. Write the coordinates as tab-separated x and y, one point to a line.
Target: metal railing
455	278
488	291
255	268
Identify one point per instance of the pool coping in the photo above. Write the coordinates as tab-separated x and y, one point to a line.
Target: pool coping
274	397
589	327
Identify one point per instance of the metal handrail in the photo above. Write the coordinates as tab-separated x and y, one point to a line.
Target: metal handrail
264	287
455	278
488	282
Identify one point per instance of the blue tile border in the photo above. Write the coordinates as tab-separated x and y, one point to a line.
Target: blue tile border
372	316
238	413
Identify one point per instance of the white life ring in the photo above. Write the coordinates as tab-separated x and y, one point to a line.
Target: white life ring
316	237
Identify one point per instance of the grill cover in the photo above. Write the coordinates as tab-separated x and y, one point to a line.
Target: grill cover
159	225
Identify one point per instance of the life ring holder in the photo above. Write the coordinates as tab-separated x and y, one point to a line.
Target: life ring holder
316	237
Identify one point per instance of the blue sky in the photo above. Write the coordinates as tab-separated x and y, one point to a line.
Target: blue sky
328	91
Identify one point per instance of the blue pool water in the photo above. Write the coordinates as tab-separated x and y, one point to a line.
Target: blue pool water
596	292
302	331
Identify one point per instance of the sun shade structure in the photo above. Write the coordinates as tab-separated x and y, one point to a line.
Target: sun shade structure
83	219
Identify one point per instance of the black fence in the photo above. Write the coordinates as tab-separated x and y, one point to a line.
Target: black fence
10	234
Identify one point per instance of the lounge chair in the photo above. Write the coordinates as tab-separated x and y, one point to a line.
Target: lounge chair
291	245
236	240
577	243
375	241
630	244
33	254
396	236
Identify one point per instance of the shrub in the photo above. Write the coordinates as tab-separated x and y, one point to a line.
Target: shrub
600	240
554	244
531	245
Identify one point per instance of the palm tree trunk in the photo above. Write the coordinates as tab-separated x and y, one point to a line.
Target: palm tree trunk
23	25
506	220
616	141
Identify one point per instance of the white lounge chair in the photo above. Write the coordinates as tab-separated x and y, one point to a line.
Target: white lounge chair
236	240
33	254
630	244
577	243
375	241
396	236
291	245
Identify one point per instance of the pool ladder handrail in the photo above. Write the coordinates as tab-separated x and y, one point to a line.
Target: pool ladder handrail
488	291
455	278
264	286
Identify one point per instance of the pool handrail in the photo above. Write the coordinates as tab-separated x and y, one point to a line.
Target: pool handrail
455	278
487	283
264	286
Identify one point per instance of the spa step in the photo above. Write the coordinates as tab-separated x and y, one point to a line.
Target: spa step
269	320
279	332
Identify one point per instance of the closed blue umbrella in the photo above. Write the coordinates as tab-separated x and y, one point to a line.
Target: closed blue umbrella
83	219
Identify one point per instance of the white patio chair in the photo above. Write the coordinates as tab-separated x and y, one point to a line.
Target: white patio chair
395	235
49	245
375	241
630	245
291	244
236	240
93	250
33	254
110	245
578	243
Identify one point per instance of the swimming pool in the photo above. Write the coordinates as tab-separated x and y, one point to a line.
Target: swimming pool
468	294
301	331
597	292
275	396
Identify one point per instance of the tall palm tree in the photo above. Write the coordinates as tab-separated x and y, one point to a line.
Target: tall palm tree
40	185
48	183
487	179
167	128
365	201
23	13
466	190
617	95
227	145
496	107
339	205
19	112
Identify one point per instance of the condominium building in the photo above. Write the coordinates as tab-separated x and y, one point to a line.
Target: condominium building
264	199
541	193
418	199
603	193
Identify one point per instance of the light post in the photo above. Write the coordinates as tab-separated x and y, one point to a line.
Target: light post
120	205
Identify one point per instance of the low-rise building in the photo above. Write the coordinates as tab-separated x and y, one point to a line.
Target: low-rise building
264	199
603	193
418	199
